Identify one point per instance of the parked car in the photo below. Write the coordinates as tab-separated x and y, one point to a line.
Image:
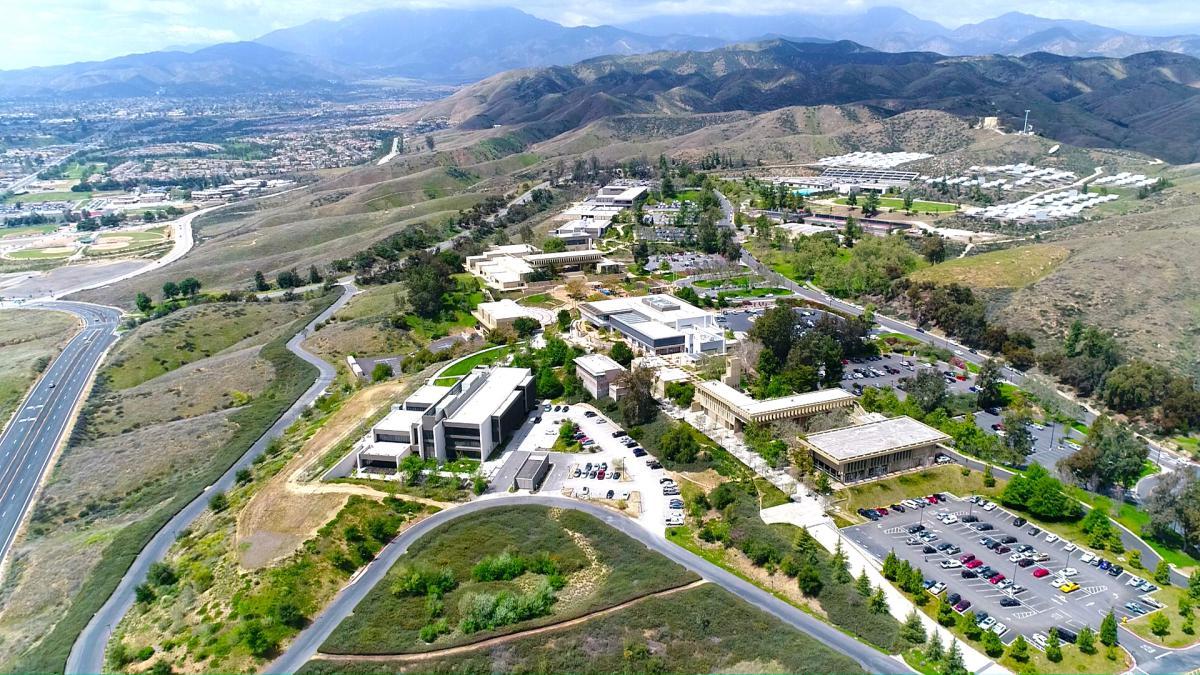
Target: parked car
974	564
1034	531
950	564
1019	522
996	579
1115	571
1040	572
953	599
1009	602
969	574
1051	538
1069	572
962	606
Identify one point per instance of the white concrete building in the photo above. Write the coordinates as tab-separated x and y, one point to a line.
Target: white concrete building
734	410
658	324
598	374
508	268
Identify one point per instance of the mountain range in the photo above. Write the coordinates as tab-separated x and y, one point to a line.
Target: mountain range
459	46
1145	102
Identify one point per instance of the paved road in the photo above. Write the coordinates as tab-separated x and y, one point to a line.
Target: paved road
87	655
42	421
310	639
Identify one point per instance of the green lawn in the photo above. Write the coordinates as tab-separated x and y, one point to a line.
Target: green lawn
754	292
948	478
40	254
50	197
918	206
601	568
27	229
743	281
699	630
1008	268
1175	638
465	365
539	300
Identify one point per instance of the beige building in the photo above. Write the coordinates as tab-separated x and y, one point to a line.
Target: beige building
598	373
509	268
734	409
503	313
868	451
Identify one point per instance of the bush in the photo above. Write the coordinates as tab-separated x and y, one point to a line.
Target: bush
414	580
485	611
218	502
161	574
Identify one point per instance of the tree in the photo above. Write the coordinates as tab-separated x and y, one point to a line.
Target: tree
547	384
577	288
144	593
871	206
934	653
161	574
879	603
1053	646
821	484
381	371
992	644
554	245
429	280
526	326
621	353
838	564
1162	573
851	231
945	613
564	320
1193	584
1086	642
218	502
1111	455
170	290
189	286
260	281
144	303
314	275
969	625
863	584
1108	630
989	480
1019	649
637	406
257	642
954	661
891	566
988	384
1018	438
775	330
913	630
429	142
809	579
928	389
1160	625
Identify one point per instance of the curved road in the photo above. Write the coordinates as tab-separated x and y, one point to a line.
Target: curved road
309	640
87	654
43	419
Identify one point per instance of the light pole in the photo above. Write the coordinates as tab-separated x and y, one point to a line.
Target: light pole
1025	127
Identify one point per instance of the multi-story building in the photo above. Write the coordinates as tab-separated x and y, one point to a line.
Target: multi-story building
735	410
509	268
868	451
598	374
658	324
470	418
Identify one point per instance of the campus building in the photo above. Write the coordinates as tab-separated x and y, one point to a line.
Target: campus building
502	314
868	451
581	233
598	373
509	268
658	324
735	410
470	418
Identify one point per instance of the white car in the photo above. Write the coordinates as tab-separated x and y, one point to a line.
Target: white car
1058	581
999	629
1087	558
1134	581
1039	640
1037	426
950	519
1016	557
950	564
583	492
1070	547
988	623
990	506
1005	584
673	520
937	588
1051	538
1069	572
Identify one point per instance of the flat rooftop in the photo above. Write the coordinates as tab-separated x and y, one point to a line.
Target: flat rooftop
399	420
753	407
490	396
874	438
504	309
597	364
658	307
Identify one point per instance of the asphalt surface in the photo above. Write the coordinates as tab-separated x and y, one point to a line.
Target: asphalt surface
87	654
41	423
310	639
1042	606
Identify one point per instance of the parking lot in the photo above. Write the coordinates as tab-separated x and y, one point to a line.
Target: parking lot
874	372
1037	608
627	477
1051	442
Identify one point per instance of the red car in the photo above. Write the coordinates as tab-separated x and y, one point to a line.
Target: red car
967	557
1040	572
881	511
932	499
997	579
974	563
600	474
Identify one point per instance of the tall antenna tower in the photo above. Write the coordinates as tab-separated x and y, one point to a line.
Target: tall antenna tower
1025	127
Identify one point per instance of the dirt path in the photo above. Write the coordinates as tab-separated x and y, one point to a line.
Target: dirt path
289	510
491	642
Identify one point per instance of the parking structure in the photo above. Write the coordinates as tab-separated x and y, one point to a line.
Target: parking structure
1030	605
609	450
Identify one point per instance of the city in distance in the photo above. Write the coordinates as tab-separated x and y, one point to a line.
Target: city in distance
503	338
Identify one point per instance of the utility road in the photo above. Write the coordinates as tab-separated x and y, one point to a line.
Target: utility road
43	420
306	644
87	654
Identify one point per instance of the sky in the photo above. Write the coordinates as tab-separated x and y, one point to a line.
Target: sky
50	32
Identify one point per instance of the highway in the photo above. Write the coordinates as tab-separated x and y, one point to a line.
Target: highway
310	639
87	654
43	419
